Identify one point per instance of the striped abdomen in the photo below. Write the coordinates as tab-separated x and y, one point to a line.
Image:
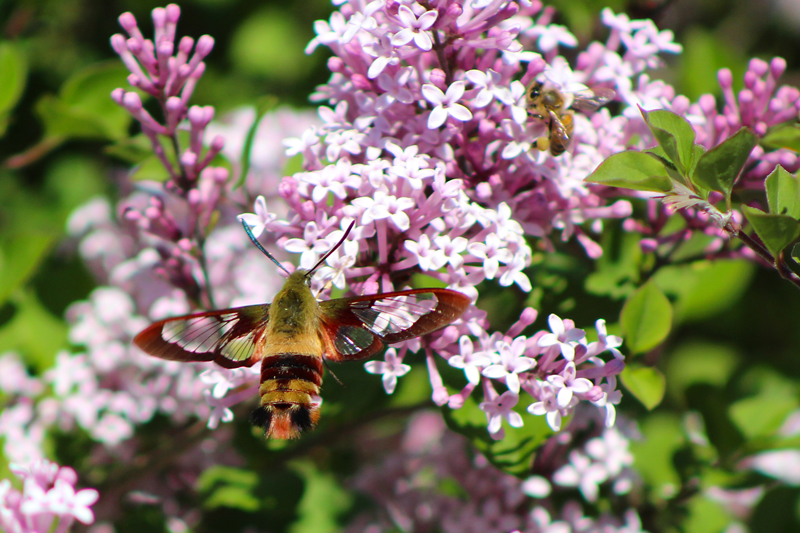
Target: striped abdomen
289	394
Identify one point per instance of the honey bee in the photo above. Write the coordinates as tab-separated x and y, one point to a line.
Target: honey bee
552	107
295	335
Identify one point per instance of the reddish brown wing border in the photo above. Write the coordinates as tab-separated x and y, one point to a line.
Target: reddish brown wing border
337	314
243	324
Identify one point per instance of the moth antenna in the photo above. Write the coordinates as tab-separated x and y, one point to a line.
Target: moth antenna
258	245
338	244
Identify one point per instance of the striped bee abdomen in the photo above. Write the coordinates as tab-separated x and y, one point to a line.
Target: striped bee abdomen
289	394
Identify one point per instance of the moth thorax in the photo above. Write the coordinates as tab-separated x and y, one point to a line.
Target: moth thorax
289	395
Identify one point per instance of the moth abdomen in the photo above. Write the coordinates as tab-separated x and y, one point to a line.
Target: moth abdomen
289	394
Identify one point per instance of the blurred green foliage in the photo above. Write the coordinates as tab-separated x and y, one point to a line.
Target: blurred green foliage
719	385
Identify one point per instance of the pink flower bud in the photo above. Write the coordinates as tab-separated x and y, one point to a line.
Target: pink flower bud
117	95
777	67
188	159
335	64
132	102
204	46
118	44
127	21
437	78
758	66
185	45
173	13
725	78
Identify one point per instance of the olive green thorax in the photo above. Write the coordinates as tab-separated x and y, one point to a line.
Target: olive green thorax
294	308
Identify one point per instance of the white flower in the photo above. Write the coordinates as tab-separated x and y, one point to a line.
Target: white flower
445	104
415	28
259	220
581	472
392	368
564	338
511	363
470	361
500	408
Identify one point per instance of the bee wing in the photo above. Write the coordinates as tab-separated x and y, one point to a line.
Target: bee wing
228	336
559	133
593	99
356	328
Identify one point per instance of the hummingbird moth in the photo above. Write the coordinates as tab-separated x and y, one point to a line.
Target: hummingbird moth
295	334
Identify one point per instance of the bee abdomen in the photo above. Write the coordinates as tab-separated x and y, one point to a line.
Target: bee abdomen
289	395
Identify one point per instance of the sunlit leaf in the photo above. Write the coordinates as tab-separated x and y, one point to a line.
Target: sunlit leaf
646	318
632	170
645	383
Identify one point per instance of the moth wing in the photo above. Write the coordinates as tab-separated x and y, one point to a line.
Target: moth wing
356	328
228	337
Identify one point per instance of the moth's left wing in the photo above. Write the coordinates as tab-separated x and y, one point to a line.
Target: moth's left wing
356	328
228	337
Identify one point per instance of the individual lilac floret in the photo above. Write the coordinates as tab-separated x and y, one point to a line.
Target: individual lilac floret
391	368
48	501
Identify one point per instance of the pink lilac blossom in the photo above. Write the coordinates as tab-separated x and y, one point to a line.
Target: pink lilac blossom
406	487
48	500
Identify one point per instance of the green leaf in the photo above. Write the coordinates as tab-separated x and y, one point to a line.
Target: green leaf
514	453
674	134
705	515
783	193
718	168
699	362
776	231
633	170
653	454
84	108
319	487
646	318
762	415
20	256
33	331
646	383
14	74
787	136
151	169
702	289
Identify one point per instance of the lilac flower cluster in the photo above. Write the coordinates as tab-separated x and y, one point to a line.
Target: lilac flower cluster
409	486
48	501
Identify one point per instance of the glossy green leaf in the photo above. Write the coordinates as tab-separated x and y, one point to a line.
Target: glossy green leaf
718	168
646	318
646	383
514	453
775	231
633	170
787	136
14	74
762	415
783	193
674	134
